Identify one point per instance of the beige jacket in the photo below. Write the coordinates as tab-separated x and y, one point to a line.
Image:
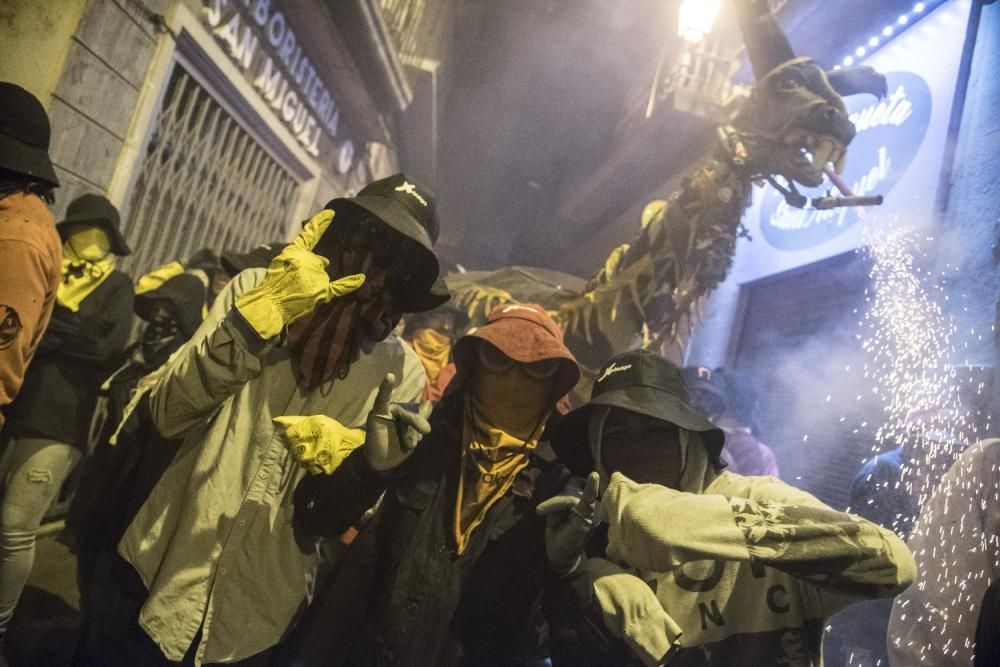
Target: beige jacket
215	543
956	542
745	572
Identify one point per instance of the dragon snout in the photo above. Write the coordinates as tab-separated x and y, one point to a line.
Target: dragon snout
826	119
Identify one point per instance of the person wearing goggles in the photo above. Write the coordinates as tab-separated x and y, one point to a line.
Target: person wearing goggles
453	561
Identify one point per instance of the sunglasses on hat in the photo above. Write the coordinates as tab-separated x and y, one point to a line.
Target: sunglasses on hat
495	361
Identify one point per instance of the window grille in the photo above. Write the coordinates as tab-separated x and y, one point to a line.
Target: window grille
205	182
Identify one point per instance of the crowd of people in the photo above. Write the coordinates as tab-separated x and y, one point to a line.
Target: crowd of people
304	457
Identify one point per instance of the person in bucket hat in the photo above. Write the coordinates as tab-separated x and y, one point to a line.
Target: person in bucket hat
211	566
453	560
95	211
30	254
697	564
50	419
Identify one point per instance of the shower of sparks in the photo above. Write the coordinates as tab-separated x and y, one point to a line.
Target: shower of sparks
910	343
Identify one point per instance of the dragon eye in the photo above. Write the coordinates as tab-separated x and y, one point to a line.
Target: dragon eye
791	80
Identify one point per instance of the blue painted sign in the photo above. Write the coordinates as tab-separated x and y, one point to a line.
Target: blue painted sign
890	133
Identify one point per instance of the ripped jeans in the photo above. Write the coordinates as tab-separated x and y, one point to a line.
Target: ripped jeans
38	469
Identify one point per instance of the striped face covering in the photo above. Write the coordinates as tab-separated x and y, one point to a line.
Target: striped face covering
325	343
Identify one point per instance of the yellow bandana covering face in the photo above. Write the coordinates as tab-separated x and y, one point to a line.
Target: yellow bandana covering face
434	350
504	417
87	262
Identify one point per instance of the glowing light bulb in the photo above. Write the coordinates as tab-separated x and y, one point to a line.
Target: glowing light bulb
873	41
860	51
848	61
919	7
903	20
887	31
696	18
836	68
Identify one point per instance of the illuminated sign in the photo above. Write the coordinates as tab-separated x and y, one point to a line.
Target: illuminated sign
263	45
889	135
897	153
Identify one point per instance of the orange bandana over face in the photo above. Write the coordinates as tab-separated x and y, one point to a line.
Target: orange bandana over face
505	414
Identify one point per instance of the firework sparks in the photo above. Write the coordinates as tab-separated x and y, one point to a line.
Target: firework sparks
911	343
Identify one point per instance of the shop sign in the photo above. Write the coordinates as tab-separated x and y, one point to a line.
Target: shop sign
260	41
897	153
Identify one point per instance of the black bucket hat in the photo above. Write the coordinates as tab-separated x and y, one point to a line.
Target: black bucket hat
260	257
24	134
91	209
183	296
408	208
638	381
706	391
724	391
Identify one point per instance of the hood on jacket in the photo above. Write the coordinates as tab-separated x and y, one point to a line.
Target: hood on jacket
183	296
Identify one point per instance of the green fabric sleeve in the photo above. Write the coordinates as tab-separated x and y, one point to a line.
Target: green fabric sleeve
632	612
655	529
220	358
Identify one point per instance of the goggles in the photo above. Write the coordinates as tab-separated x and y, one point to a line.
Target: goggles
495	361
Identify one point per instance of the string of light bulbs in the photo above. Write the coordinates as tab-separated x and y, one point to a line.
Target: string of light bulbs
894	29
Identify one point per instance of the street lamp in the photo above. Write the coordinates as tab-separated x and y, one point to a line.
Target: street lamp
696	18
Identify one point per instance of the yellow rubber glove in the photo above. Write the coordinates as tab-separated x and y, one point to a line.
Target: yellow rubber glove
295	283
318	443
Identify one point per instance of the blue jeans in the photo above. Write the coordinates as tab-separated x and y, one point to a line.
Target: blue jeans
38	469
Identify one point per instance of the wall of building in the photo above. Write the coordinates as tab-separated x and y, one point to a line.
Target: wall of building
98	88
971	239
100	66
36	37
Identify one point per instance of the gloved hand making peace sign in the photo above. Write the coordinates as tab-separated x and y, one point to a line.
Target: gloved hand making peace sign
393	432
569	520
295	283
320	443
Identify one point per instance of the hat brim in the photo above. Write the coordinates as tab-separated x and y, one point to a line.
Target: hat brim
421	299
118	245
31	161
236	262
532	345
570	436
420	293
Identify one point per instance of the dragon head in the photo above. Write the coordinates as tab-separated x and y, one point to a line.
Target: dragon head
795	121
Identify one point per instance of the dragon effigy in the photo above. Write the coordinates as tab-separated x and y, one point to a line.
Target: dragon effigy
792	130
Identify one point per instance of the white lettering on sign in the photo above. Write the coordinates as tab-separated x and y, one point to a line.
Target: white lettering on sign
788	217
286	80
894	110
